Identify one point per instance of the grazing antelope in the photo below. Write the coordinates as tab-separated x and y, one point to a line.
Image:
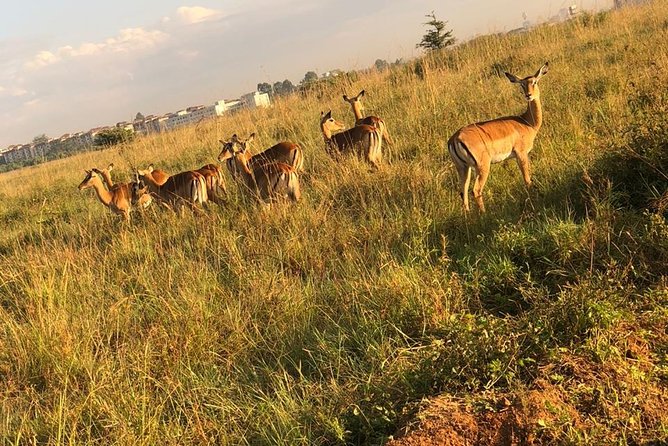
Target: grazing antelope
363	139
267	181
144	200
183	188
283	152
119	199
374	121
213	178
477	146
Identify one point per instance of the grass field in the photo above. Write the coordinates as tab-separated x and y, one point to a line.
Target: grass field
340	320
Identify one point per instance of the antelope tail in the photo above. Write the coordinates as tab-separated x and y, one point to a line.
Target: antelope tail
384	132
294	192
460	154
298	161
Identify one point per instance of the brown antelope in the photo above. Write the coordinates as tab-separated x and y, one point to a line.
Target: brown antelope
144	200
213	178
215	185
267	181
183	188
374	121
119	199
477	146
363	139
283	152
159	176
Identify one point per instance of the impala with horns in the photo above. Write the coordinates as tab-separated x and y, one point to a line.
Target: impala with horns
363	140
185	188
144	200
477	146
284	152
374	121
119	199
266	181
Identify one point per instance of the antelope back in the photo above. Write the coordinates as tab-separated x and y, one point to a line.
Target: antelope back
213	177
189	186
276	180
283	152
159	176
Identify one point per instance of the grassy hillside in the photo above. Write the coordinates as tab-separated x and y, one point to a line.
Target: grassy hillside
333	321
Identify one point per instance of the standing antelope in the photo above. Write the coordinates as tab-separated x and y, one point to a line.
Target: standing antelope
267	180
283	152
477	146
186	187
374	121
363	139
119	199
144	200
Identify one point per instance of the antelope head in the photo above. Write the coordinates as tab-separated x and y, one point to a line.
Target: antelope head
329	124
233	146
89	179
355	101
529	84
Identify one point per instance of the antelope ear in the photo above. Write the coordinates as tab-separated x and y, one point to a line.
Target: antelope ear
251	137
150	168
328	114
512	77
361	94
542	72
110	167
345	98
222	142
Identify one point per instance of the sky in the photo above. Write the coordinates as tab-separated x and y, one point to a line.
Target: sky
72	65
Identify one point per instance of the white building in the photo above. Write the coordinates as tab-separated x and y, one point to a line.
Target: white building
256	99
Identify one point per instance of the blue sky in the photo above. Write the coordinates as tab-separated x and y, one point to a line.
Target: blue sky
71	65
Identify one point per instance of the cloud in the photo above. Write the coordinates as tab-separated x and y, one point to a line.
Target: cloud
127	40
15	92
197	14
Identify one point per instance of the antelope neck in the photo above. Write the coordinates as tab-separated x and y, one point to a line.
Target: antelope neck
102	193
534	114
357	110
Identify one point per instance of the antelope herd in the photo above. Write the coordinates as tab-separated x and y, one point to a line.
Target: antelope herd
274	173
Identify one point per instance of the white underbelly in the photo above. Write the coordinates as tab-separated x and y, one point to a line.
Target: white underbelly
498	157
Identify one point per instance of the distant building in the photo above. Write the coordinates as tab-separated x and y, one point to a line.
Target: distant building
68	143
256	99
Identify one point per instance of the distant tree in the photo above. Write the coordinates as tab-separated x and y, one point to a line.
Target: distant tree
278	88
309	77
381	64
265	87
40	139
139	117
437	37
399	61
113	136
288	87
